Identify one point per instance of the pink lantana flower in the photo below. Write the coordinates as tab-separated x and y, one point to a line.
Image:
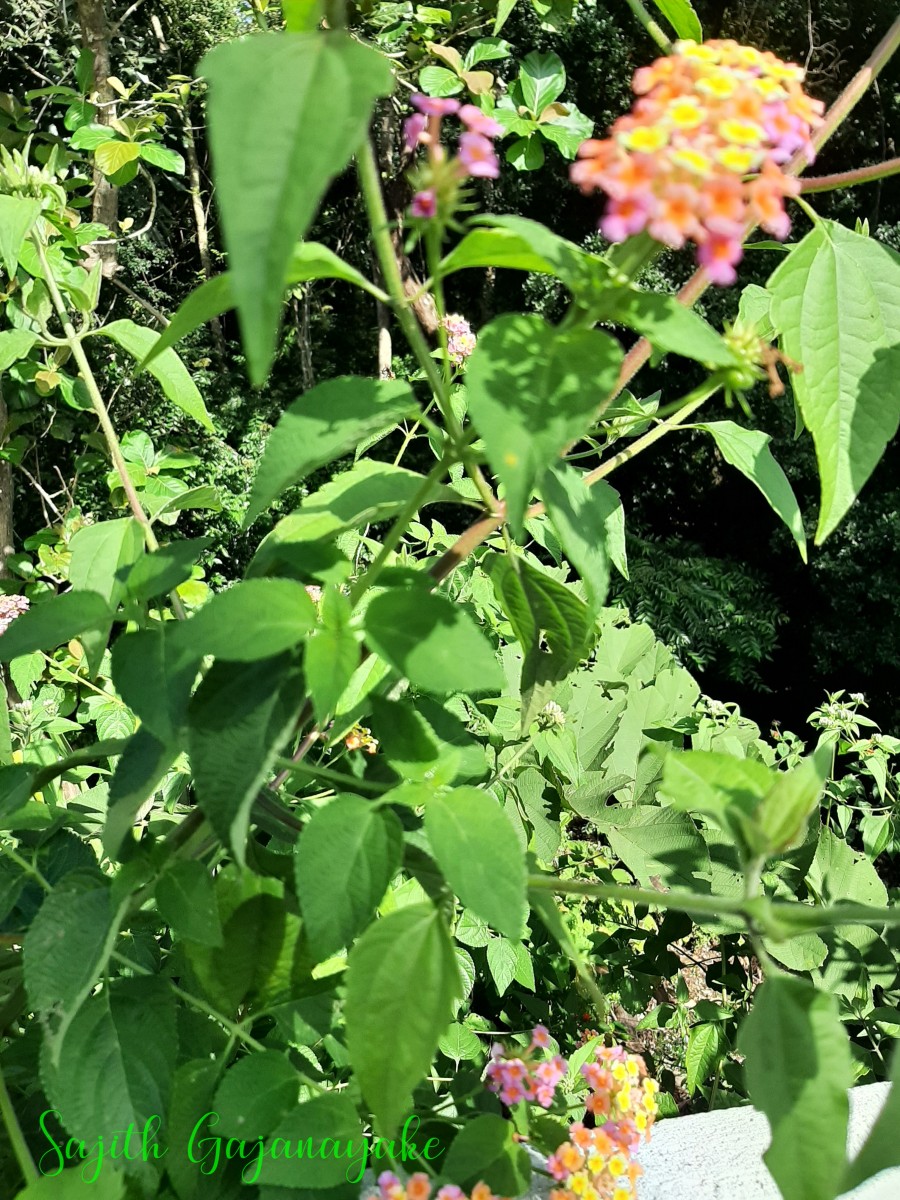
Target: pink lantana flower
478	122
477	156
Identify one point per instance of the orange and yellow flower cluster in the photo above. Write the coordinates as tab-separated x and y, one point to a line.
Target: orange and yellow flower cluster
700	155
597	1164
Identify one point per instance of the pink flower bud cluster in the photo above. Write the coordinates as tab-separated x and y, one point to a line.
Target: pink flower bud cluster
517	1079
597	1164
460	339
418	1187
10	608
475	159
700	156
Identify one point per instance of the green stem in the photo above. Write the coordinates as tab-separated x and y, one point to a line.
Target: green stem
759	911
689	405
397	530
808	209
16	1137
381	236
348	783
651	26
845	179
73	341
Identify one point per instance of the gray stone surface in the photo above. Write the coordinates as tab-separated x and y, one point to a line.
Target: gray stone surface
718	1155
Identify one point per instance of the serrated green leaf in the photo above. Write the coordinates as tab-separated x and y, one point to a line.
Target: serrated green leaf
186	900
430	641
402	979
503	959
253	619
328	1119
323	424
332	653
51	622
347	855
100	553
144	764
579	515
255	1094
275	157
238	720
167	368
157	573
836	305
531	392
116	1059
486	1149
805	1100
477	849
153	673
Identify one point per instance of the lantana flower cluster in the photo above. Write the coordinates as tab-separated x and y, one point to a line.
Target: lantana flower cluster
526	1078
700	156
438	182
597	1164
10	608
418	1187
460	339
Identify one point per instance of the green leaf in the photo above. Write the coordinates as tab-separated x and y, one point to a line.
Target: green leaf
99	553
580	516
347	855
567	132
66	948
89	137
17	218
253	619
15	344
438	81
186	900
167	368
681	16
330	1119
332	653
787	806
653	841
402	979
163	570
308	260
478	851
461	1044
805	1099
703	1048
153	672
275	156
430	641
256	1093
52	622
504	8
542	78
526	153
70	1185
669	326
836	304
325	423
162	157
143	766
503	961
754	308
238	720
531	391
111	157
724	787
748	450
116	1059
881	1149
486	1149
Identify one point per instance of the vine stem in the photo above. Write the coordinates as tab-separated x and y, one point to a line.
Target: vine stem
73	341
759	910
16	1137
845	179
652	27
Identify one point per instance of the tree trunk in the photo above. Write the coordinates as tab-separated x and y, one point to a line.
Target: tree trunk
193	166
95	37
